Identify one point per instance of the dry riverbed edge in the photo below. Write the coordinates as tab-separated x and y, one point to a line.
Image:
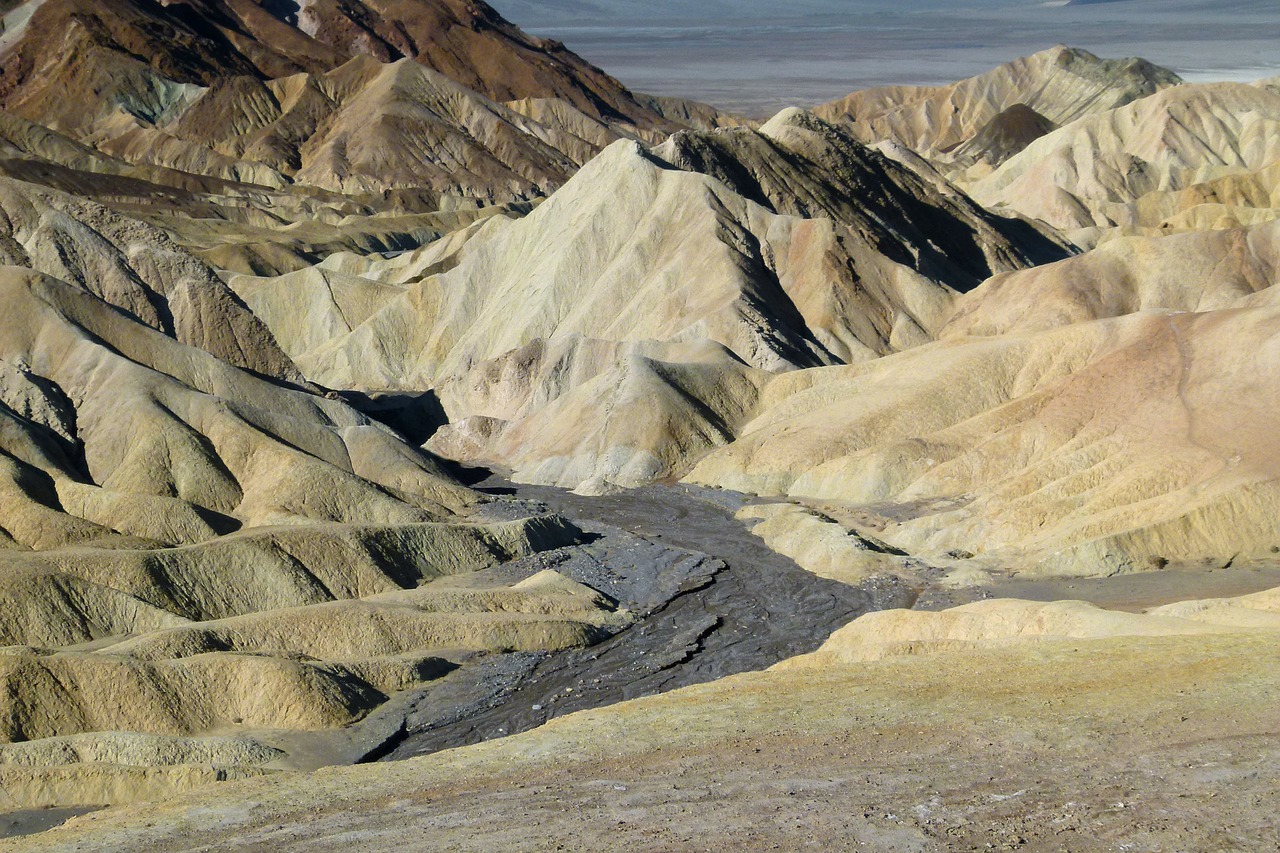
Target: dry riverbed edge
677	517
1118	744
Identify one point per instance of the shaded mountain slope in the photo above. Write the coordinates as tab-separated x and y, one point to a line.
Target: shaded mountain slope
675	274
257	113
365	127
199	41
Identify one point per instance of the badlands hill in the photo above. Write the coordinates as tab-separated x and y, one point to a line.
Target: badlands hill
954	715
1074	437
1045	90
274	558
1190	157
238	118
270	270
196	42
682	274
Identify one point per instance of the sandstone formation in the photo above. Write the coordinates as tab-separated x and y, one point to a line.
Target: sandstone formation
137	269
302	668
364	127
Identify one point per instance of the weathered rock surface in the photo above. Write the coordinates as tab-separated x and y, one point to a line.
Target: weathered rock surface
1190	156
836	751
1056	86
678	275
1127	275
1114	445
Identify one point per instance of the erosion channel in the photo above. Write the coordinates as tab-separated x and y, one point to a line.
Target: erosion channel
712	601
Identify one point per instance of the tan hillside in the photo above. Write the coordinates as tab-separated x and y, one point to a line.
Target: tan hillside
1058	85
664	275
1126	275
1004	622
927	752
314	667
258	548
363	127
466	41
311	667
1010	131
123	767
137	268
1151	162
822	545
641	410
746	256
155	418
280	276
1115	445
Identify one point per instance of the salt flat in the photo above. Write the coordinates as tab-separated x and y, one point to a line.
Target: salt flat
757	57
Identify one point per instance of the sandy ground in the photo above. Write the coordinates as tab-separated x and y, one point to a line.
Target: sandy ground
1162	744
1125	745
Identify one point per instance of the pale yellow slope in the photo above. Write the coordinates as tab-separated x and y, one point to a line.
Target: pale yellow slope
1079	743
637	247
1188	272
1090	173
641	411
1010	622
159	420
1097	447
1061	83
137	268
641	301
312	667
119	721
547	612
90	769
591	261
307	308
68	596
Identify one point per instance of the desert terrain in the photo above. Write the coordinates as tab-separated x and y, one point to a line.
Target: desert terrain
411	434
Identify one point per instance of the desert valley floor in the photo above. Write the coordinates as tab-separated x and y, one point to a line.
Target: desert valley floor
411	437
